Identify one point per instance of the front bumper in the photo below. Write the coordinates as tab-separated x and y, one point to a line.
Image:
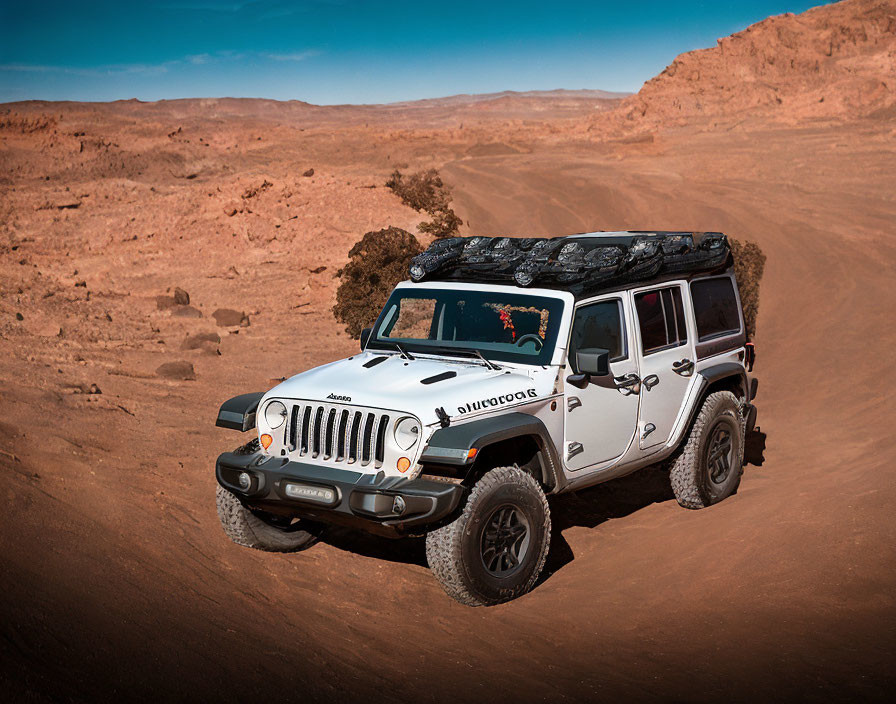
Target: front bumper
375	502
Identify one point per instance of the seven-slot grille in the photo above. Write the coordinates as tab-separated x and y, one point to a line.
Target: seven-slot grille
336	433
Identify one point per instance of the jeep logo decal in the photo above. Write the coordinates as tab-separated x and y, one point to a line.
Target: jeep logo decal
337	397
497	401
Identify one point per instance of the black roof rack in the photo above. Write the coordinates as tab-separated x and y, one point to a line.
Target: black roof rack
581	264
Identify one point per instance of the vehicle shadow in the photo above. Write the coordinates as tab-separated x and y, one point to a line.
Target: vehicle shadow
589	508
754	447
409	551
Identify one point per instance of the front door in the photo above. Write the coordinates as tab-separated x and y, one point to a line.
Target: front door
601	419
666	352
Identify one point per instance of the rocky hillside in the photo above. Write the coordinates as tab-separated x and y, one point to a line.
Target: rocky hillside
836	61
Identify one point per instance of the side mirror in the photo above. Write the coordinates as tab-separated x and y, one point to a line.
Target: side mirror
593	361
365	336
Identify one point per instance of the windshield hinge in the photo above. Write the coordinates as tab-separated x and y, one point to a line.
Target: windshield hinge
444	418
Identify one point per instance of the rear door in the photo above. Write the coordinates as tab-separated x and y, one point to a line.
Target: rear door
666	358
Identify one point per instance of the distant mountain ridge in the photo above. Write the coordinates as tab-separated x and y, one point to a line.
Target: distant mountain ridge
560	93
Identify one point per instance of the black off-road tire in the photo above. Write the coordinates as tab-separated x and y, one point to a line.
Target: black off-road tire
455	551
697	480
245	528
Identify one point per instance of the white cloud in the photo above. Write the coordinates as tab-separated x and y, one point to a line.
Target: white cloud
156	69
292	56
108	70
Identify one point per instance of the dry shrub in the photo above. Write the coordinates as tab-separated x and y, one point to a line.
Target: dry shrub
749	262
424	191
376	263
443	224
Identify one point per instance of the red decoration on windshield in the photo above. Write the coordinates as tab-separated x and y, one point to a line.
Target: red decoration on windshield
508	322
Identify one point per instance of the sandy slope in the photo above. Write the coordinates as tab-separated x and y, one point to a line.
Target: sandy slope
118	582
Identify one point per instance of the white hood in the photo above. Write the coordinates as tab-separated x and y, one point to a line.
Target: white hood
469	387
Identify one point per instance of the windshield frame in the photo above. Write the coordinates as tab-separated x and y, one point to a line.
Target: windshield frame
554	343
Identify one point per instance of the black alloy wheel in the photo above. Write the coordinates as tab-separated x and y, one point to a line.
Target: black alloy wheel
505	541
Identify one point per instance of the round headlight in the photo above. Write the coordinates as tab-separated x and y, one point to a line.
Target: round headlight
274	414
407	433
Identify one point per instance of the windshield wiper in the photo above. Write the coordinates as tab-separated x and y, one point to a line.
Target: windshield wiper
466	350
489	363
401	350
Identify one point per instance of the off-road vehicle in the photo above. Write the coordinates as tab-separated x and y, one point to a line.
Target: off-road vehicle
506	370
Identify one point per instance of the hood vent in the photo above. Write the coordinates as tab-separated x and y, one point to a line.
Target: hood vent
373	362
438	377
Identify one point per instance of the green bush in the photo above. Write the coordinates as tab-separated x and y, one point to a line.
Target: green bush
749	263
376	263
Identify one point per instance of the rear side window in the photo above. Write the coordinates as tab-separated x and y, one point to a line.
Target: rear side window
715	308
598	325
661	319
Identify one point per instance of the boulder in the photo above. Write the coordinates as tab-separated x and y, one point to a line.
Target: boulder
228	318
165	302
179	371
186	312
181	297
200	341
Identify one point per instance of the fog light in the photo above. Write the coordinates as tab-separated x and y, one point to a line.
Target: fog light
403	464
398	505
244	480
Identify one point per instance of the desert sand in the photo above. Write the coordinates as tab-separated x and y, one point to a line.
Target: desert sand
117	580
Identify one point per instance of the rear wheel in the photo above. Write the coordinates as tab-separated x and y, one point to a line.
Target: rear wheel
263	531
709	466
495	550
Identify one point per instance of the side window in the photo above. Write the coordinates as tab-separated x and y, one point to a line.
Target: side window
598	325
715	308
661	319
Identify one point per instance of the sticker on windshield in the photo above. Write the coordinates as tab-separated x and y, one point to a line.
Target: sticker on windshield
501	400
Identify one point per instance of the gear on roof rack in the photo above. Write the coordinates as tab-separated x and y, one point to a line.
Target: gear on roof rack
576	262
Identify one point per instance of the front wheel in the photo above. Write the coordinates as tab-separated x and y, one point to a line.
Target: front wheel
263	531
495	550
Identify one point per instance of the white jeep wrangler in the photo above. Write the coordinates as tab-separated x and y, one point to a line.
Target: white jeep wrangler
505	371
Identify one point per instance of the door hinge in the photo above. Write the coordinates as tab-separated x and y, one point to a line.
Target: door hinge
648	429
574	448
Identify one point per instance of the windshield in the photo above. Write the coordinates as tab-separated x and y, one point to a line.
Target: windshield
501	325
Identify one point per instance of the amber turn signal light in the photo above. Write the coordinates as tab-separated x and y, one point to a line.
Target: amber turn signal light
403	464
266	441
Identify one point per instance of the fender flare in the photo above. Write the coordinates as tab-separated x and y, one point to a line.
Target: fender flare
717	372
238	413
709	376
452	445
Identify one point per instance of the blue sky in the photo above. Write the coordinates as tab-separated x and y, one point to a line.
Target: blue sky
345	51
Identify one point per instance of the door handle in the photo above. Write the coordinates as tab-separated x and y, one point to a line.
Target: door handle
573	402
650	381
683	366
628	384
